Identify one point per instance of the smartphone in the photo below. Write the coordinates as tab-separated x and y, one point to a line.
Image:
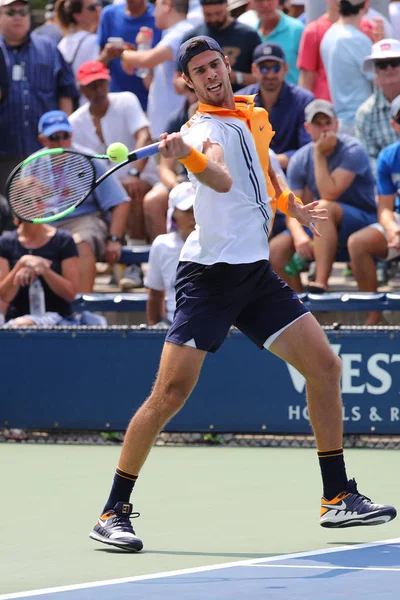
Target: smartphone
116	41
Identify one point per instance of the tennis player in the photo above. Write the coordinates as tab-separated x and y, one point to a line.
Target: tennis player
223	279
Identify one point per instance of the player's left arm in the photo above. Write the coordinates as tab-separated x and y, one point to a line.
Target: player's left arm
208	166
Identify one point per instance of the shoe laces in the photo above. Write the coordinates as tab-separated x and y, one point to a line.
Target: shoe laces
123	522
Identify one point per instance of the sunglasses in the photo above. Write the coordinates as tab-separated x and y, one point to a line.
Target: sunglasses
21	12
265	69
382	65
57	137
93	7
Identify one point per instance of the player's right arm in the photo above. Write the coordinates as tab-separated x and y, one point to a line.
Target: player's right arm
208	166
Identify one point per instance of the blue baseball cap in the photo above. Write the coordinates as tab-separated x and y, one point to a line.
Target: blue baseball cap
53	121
203	43
268	51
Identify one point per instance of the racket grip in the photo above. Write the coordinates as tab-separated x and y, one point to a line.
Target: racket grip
144	152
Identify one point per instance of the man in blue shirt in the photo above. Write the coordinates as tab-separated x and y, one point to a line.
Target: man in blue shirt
335	169
98	225
284	101
38	80
124	21
382	239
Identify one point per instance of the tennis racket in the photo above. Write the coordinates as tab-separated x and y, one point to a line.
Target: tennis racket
52	183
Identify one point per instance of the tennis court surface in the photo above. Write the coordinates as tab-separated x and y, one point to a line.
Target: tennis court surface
217	523
360	571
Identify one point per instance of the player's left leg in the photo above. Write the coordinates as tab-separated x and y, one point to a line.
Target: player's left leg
304	345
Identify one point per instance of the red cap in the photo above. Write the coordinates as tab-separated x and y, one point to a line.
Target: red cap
91	70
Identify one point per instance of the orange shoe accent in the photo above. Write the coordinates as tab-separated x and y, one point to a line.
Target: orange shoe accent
336	500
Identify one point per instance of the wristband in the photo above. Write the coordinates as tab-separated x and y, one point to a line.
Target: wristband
114	238
282	202
195	162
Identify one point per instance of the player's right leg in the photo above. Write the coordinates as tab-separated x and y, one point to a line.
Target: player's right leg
178	374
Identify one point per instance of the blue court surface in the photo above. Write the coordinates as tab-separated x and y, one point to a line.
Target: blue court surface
359	572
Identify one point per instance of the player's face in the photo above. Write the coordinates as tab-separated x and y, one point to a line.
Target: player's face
15	21
321	124
270	74
209	77
215	15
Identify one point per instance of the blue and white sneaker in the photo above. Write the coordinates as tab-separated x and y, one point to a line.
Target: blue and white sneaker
114	528
350	508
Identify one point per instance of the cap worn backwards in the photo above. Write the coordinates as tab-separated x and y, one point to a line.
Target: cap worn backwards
189	50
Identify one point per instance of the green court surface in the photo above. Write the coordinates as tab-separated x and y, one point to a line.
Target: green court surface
200	506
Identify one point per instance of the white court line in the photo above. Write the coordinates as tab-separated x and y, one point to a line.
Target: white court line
329	568
239	563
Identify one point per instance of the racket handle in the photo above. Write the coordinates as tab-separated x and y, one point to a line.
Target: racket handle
144	152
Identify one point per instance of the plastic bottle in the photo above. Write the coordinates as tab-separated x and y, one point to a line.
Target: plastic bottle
295	265
142	72
37	303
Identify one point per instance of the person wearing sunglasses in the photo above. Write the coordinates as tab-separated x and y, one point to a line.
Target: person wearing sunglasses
78	20
382	239
373	126
98	226
36	79
280	99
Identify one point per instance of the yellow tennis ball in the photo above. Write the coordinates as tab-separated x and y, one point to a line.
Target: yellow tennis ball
117	152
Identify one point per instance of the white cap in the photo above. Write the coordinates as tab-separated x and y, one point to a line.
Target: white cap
7	2
383	50
182	196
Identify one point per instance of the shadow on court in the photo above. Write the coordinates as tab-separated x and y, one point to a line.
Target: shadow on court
239	555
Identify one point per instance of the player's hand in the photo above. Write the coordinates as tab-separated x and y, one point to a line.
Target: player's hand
326	143
113	252
24	277
307	214
172	145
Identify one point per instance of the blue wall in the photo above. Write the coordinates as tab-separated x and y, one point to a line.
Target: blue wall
86	379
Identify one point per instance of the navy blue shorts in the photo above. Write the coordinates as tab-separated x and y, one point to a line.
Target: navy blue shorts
212	298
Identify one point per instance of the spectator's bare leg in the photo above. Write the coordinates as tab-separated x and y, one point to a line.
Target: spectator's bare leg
364	246
155	207
136	227
325	247
281	252
87	268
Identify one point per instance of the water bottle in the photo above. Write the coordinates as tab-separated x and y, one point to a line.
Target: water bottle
142	72
295	265
37	303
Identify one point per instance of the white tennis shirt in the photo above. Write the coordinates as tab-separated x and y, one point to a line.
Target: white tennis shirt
231	227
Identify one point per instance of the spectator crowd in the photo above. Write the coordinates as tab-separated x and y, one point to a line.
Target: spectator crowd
95	73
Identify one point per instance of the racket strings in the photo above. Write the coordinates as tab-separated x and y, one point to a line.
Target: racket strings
50	184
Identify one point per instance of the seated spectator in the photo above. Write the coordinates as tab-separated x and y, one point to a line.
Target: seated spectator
279	99
170	18
373	116
6	218
164	256
41	253
50	27
335	169
172	172
274	26
116	117
34	79
237	41
343	50
98	225
124	21
310	63
295	9
382	239
78	20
